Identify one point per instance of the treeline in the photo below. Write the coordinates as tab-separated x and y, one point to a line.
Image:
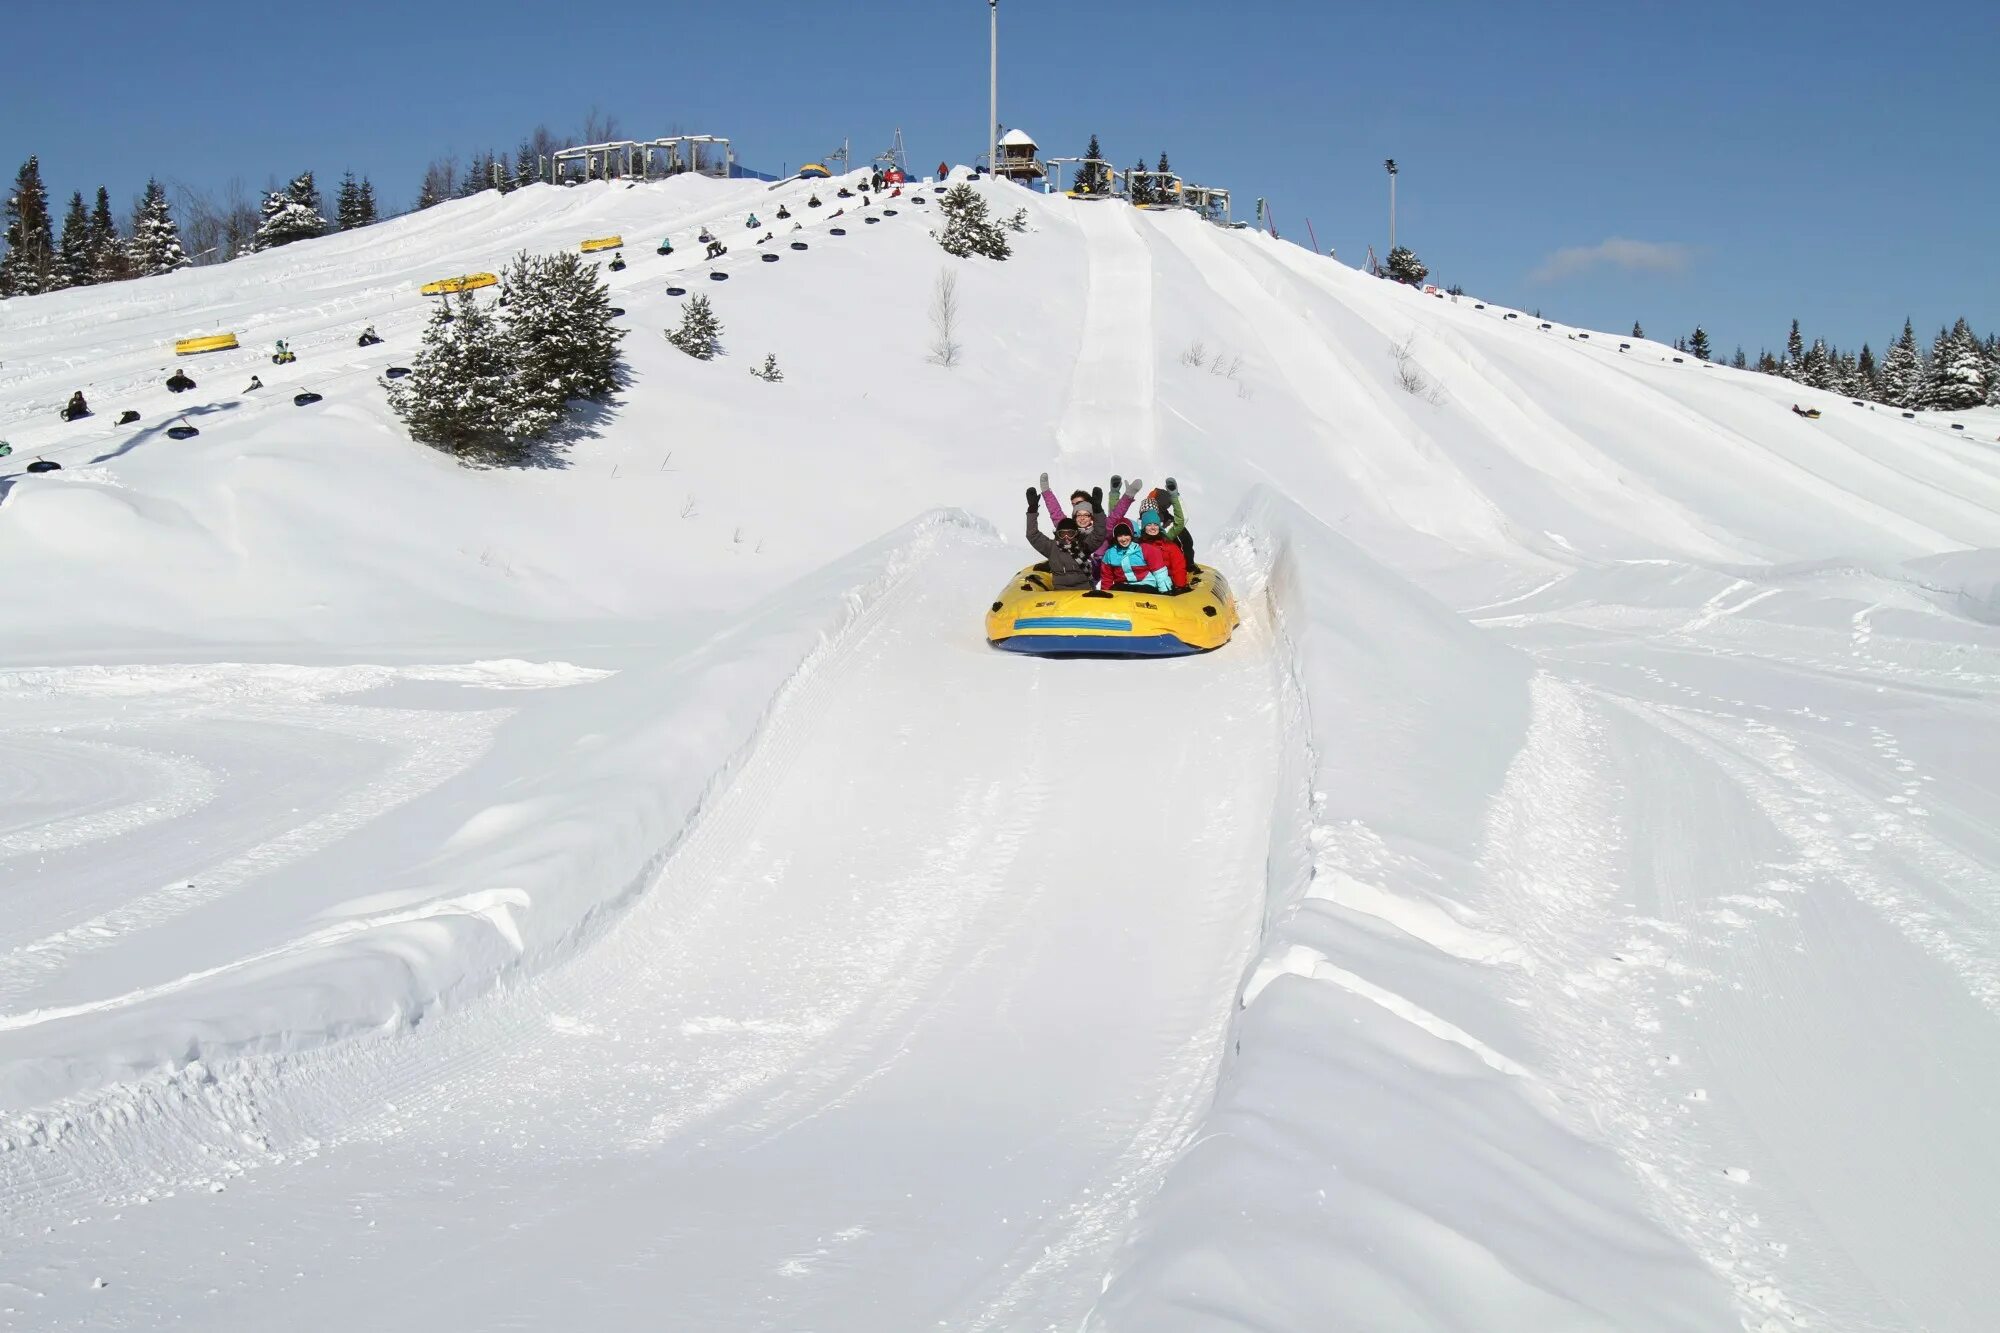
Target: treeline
162	233
93	248
1958	370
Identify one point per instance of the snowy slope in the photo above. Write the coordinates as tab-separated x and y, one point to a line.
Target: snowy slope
632	887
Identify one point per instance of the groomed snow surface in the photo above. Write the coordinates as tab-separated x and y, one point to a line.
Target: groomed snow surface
630	894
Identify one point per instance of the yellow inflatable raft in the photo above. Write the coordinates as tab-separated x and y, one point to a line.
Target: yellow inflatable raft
465	283
592	246
1032	617
214	342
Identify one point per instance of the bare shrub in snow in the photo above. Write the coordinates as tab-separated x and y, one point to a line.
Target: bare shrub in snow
1195	355
1410	377
945	347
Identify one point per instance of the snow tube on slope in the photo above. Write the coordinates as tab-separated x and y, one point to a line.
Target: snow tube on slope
769	259
1030	616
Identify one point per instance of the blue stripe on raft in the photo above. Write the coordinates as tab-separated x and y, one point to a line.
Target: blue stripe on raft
1070	622
1094	645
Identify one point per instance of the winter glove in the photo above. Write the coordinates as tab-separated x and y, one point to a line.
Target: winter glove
1097	499
1132	488
1044	481
1172	485
1116	482
1034	497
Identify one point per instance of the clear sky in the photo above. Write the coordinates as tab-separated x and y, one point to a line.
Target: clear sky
1736	165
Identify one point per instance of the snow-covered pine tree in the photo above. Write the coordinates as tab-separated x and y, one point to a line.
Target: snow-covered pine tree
1637	332
504	178
460	395
769	372
1993	370
76	266
699	329
31	264
1137	186
527	164
1093	179
1795	354
1768	364
364	206
967	228
156	241
290	214
559	329
1867	375
1404	266
1698	343
1817	368
1902	372
110	260
1957	377
1847	374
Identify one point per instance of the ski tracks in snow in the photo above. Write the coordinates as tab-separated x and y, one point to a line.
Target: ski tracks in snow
1109	414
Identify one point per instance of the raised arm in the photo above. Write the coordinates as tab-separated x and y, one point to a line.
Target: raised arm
1056	514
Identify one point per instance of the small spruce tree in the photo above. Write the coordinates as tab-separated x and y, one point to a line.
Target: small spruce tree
699	329
967	228
1637	332
1095	177
1698	343
156	241
109	258
1957	378
31	264
1795	353
291	214
1739	361
1404	266
1816	371
769	372
461	395
347	204
560	330
1162	194
527	164
1137	186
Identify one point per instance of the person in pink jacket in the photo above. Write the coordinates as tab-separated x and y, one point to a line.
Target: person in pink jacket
1097	531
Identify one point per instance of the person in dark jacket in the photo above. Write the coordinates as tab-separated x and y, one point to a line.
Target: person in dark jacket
876	180
76	407
944	169
1068	562
180	383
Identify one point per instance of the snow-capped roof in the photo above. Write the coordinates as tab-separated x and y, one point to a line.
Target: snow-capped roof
1016	139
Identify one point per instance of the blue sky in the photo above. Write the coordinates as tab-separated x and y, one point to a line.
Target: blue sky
1732	165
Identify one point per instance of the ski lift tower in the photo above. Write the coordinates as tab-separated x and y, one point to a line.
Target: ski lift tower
895	157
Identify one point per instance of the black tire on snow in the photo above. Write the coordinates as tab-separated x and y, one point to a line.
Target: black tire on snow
677	291
718	276
181	432
305	399
840	231
395	372
44	465
798	245
769	259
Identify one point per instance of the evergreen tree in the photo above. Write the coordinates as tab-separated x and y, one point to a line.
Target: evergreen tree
76	265
31	264
1140	189
347	204
769	372
1902	372
1680	344
1739	361
1795	354
1404	266
1957	377
1637	332
699	329
505	180
156	241
1847	374
1162	192
364	206
478	176
527	164
1768	364
1698	343
1817	368
110	260
291	214
461	395
1093	179
967	228
1993	370
559	327
1867	375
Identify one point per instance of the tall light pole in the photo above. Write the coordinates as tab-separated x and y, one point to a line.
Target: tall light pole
993	87
1391	164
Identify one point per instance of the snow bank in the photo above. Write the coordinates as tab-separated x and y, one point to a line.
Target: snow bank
1380	1147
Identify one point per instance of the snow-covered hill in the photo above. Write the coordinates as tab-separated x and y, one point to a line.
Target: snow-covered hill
631	894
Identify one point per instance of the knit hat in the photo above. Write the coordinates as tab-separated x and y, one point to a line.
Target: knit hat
1149	515
1066	523
1123	529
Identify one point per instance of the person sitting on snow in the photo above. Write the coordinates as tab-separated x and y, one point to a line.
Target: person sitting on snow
813	202
706	236
783	212
666	246
753	223
256	383
1131	564
716	249
617	261
76	407
1063	555
368	337
180	383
